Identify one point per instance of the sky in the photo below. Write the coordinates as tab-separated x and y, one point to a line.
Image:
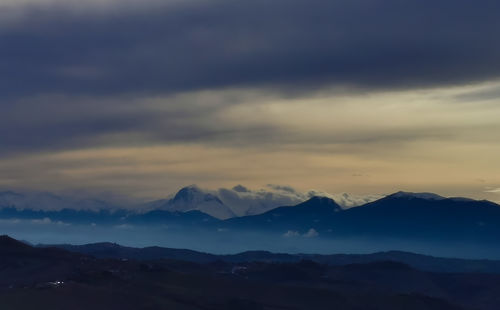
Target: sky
140	98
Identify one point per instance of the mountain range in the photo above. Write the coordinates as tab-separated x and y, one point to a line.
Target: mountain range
401	214
107	250
420	222
240	201
222	203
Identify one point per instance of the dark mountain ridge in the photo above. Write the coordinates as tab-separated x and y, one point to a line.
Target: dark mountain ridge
401	215
57	279
417	261
307	213
30	280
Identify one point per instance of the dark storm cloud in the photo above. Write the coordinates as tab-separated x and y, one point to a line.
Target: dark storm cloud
289	44
67	122
78	78
55	123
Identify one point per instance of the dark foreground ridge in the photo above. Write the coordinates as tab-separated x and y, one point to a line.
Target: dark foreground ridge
421	262
53	278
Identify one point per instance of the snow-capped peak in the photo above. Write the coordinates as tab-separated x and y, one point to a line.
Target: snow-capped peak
194	198
193	194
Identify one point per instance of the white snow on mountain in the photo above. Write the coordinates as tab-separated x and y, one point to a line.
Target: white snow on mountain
222	203
241	201
347	201
193	198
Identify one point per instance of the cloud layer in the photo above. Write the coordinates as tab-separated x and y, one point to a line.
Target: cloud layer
297	44
78	74
144	97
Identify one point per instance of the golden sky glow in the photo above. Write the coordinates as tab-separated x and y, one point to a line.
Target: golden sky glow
380	142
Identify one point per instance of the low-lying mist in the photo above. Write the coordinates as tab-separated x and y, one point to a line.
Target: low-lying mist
226	241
